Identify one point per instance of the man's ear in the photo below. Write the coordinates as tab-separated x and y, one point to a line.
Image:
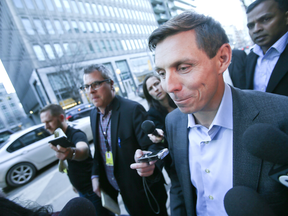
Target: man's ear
112	83
62	118
224	56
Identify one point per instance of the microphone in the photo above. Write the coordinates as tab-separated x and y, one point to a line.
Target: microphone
270	144
78	206
241	200
149	128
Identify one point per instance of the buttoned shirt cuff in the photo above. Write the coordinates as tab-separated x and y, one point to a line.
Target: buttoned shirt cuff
94	176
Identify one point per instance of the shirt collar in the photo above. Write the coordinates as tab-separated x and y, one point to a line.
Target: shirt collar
279	46
224	115
107	109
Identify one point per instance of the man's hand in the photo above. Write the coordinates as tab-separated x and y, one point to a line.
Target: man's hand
157	139
95	185
143	169
61	152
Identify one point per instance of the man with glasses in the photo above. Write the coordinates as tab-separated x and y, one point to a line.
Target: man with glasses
116	126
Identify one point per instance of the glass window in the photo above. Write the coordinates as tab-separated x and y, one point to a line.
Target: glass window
67	6
74	6
28	26
114	46
140	43
111	11
29	4
103	46
119	43
88	8
58	50
39	26
91	47
95	9
49	51
128	44
82	9
129	13
89	27
127	29
116	12
122	28
107	27
102	27
113	29
49	5
66	48
131	29
40	4
109	45
125	13
96	27
18	3
101	10
70	49
118	28
75	26
49	26
16	145
136	43
58	5
135	29
66	26
133	14
132	43
106	10
39	54
121	12
97	47
82	26
58	27
123	45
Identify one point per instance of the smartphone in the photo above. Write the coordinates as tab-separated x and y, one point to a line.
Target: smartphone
62	141
152	157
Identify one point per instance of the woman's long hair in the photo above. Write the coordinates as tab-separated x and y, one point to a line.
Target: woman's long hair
151	101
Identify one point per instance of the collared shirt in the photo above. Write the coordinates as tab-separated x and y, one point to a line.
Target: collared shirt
266	62
211	158
105	121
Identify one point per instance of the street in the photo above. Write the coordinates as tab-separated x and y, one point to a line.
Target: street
50	187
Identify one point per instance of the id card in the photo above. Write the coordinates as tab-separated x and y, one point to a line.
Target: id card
109	158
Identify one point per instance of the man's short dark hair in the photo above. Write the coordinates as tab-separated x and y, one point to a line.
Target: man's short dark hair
210	36
54	109
106	74
282	5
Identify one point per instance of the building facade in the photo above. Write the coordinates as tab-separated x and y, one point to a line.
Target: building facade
46	43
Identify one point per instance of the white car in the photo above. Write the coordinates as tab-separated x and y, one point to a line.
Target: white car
27	151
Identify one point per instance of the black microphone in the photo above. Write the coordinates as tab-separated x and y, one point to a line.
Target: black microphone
149	128
78	206
244	201
269	143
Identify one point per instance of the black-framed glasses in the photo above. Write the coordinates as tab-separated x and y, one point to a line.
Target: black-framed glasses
95	85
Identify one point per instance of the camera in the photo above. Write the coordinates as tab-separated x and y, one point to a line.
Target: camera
146	158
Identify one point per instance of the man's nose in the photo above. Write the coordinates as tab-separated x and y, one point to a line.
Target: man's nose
171	82
257	27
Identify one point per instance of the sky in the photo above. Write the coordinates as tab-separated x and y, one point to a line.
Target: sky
227	12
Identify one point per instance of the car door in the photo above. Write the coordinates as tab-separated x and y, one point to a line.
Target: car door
36	148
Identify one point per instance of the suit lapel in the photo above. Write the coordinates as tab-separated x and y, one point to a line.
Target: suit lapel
279	71
246	168
250	69
114	126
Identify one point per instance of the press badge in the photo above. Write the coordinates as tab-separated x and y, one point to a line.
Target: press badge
109	158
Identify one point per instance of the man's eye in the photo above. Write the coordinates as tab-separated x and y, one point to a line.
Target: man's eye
161	74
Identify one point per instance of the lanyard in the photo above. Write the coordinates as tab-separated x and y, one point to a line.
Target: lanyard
105	135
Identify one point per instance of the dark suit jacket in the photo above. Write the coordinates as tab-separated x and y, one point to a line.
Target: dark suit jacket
249	107
127	117
237	68
278	82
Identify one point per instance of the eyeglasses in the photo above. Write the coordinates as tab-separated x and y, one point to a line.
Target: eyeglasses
95	85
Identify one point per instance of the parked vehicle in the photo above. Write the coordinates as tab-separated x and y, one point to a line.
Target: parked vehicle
139	90
5	134
27	151
79	111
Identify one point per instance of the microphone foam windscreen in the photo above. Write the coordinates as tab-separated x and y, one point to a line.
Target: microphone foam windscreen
243	201
267	142
78	206
148	126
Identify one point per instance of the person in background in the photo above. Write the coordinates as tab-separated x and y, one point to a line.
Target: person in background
116	126
160	104
267	63
205	133
79	158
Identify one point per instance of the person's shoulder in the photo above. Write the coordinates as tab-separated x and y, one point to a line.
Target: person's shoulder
127	102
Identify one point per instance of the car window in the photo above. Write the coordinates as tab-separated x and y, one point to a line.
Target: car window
15	146
34	136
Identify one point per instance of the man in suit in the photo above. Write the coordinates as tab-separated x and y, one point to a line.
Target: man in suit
116	126
205	132
267	63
